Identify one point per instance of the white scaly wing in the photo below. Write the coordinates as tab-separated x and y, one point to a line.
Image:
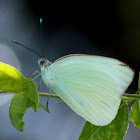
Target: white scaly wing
91	85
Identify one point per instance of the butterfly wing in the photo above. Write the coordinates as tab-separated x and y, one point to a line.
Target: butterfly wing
91	85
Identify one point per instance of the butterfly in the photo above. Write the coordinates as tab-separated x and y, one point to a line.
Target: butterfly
90	85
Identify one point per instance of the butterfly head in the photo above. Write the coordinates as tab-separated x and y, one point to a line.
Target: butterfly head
43	63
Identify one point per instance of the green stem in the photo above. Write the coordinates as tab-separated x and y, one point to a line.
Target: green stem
125	96
131	96
47	94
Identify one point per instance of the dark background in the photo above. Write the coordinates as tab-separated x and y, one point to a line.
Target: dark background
108	28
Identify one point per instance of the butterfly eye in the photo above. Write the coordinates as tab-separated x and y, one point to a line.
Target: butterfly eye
42	63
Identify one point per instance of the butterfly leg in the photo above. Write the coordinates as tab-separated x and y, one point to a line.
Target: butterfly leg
33	78
33	74
40	84
48	99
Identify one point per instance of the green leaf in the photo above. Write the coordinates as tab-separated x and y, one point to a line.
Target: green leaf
32	95
27	98
114	131
17	110
11	79
135	114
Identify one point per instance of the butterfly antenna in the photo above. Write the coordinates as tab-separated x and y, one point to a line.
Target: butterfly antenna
41	37
27	48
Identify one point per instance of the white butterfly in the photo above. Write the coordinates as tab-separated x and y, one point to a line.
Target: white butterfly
91	85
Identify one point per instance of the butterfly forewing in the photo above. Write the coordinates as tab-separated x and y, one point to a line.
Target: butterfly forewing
91	85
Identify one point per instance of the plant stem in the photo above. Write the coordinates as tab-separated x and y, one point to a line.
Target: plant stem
125	96
131	96
47	94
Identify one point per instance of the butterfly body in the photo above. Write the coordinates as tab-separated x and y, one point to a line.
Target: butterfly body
91	85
